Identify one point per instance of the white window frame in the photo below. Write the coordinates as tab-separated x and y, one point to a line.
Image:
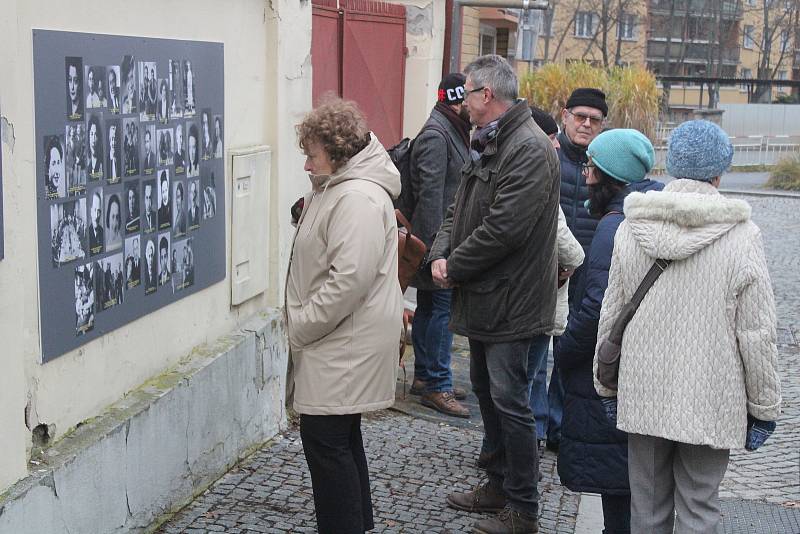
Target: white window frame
582	29
748	41
784	40
627	22
491	33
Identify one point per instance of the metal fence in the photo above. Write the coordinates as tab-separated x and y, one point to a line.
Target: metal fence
747	151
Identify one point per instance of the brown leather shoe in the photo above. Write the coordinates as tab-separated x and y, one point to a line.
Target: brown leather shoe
509	521
445	402
484	498
419	387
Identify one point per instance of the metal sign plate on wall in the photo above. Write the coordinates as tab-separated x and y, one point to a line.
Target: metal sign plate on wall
129	179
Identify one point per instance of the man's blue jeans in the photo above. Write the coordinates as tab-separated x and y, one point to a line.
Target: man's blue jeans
432	339
499	375
537	378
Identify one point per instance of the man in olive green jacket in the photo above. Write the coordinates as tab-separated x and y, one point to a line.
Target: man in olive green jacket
497	249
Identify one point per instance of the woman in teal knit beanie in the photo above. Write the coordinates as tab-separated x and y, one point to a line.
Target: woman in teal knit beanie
593	454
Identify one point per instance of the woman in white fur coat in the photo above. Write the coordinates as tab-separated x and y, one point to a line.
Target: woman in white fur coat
698	370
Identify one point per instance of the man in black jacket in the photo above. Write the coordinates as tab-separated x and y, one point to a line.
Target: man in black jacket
497	249
439	152
581	120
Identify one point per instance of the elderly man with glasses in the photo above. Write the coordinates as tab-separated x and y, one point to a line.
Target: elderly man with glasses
497	249
581	121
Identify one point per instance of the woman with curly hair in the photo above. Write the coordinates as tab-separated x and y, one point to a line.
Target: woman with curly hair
344	307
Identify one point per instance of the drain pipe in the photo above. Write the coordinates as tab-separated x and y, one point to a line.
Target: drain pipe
455	28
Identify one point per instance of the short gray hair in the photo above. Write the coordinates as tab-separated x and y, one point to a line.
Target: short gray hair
494	72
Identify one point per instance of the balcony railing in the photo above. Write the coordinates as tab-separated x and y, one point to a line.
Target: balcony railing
693	51
728	10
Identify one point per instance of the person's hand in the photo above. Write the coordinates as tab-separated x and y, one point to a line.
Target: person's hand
563	275
439	274
757	432
610	406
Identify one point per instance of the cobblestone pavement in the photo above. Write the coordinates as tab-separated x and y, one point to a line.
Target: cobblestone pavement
414	464
772	473
416	459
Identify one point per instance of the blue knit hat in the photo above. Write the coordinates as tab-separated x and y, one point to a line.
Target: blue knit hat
623	154
698	150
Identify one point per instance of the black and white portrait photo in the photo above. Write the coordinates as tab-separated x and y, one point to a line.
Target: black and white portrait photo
179	209
209	196
193	150
68	231
75	158
148	161
113	222
148	90
130	147
194	204
175	89
74	71
218	144
54	180
130	97
112	88
95	81
114	151
164	205
189	100
162	104
111	280
207	145
150	266
182	264
133	268
94	155
96	233
163	259
84	298
179	157
132	218
150	196
165	155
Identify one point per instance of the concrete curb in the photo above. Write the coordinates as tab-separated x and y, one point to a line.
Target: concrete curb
771	193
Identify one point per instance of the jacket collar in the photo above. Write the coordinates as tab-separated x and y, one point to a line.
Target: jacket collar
507	124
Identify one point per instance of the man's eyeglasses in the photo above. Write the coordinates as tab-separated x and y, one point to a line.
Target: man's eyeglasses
468	91
580	118
585	167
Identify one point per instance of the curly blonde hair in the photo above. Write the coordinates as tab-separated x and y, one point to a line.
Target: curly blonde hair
338	126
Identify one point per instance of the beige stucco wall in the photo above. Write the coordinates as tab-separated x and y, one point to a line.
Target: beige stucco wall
425	23
267	88
689	95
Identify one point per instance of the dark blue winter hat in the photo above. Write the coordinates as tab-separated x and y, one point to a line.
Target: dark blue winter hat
698	150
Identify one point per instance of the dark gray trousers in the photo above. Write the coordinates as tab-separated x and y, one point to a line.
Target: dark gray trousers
670	479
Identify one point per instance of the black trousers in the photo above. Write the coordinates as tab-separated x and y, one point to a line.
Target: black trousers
335	455
616	513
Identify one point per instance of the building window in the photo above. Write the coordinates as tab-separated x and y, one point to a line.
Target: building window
748	37
784	40
488	40
746	74
585	22
627	22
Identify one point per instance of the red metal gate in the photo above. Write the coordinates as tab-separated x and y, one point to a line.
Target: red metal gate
358	51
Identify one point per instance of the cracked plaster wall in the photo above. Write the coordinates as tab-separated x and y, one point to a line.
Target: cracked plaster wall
267	89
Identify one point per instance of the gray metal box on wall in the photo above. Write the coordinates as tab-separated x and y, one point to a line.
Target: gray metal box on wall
129	179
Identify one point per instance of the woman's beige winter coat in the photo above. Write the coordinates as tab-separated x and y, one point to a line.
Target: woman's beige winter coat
343	301
700	353
570	256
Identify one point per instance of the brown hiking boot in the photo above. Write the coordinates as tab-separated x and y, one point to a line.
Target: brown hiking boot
445	402
419	387
484	498
509	521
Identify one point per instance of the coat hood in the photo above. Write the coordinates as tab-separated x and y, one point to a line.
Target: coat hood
371	164
684	218
616	203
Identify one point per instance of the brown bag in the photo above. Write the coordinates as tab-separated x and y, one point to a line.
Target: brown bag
610	349
410	251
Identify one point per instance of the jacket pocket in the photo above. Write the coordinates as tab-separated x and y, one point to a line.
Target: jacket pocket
486	303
